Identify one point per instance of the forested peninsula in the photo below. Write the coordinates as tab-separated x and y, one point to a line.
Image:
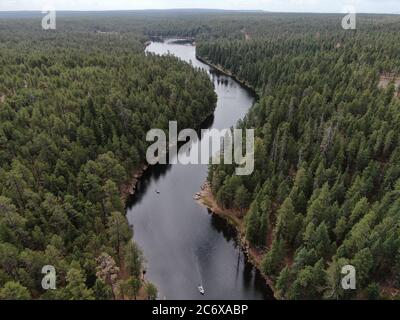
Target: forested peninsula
75	108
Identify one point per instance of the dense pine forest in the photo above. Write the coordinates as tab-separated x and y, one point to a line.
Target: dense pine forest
326	189
76	104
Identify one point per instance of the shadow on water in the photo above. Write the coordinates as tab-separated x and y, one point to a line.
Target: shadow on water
156	172
153	173
251	276
220	225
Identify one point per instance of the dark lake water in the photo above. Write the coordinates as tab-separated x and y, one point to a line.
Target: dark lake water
184	244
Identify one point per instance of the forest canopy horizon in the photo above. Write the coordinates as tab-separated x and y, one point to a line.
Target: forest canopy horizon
76	104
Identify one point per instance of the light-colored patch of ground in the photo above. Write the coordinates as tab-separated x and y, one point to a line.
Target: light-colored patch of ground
247	35
386	79
108	32
390	291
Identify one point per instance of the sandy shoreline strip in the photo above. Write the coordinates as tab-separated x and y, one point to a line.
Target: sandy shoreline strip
234	218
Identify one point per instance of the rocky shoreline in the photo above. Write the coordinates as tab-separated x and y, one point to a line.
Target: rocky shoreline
205	198
129	188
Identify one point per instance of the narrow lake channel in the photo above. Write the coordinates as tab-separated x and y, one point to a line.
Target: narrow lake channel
185	245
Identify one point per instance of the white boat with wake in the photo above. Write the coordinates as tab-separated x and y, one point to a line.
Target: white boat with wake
201	290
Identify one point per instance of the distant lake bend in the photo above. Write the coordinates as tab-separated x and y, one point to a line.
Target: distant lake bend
185	245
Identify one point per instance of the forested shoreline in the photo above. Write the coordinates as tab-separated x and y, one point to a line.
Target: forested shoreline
325	192
76	103
76	107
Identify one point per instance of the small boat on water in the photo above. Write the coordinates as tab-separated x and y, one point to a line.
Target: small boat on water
201	289
157	191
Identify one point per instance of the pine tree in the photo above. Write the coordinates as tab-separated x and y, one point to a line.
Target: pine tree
273	260
14	291
288	222
76	288
133	259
